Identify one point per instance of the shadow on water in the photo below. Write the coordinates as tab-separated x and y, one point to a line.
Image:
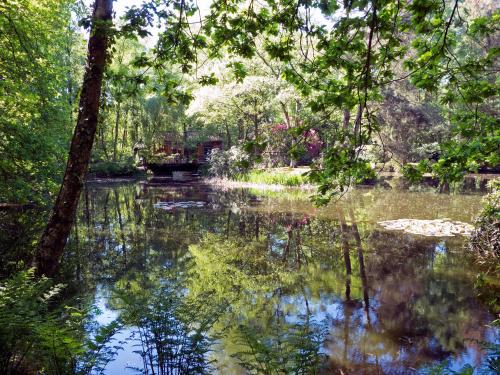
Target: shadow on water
240	284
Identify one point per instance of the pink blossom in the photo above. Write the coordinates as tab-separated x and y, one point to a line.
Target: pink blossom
279	127
313	142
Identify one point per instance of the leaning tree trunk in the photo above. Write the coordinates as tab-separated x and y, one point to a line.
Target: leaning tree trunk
51	245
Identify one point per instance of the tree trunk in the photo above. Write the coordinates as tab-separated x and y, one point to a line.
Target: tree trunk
117	126
289	125
256	126
51	245
347	118
184	141
228	136
101	140
357	123
125	128
240	130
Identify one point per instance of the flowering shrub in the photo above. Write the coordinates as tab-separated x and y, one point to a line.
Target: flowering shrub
288	145
228	163
313	143
278	143
279	128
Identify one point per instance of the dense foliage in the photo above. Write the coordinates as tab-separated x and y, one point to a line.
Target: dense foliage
37	335
346	88
229	163
40	64
486	239
342	86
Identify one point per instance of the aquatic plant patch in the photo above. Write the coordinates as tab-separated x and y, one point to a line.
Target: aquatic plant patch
172	205
433	228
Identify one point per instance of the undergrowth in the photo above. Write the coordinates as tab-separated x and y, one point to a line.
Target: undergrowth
41	335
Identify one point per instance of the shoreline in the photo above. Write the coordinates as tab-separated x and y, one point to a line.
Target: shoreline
473	183
233	184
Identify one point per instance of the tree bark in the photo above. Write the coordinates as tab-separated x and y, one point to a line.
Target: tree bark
51	245
117	127
347	118
228	136
125	129
241	132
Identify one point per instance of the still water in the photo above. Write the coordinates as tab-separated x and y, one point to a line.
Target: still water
237	282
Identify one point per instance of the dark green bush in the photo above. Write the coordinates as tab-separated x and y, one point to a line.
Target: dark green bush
113	168
486	238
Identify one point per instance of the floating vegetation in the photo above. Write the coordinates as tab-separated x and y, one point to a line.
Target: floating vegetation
172	205
432	228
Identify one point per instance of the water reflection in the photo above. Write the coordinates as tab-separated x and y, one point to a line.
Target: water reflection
170	329
256	285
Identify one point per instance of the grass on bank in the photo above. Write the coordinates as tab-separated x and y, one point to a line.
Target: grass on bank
277	176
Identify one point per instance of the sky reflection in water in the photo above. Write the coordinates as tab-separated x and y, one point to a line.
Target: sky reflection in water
246	284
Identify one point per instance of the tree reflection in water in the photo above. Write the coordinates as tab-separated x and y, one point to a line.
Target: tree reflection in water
242	286
171	330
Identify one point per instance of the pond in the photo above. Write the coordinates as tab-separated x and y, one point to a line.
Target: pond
241	282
